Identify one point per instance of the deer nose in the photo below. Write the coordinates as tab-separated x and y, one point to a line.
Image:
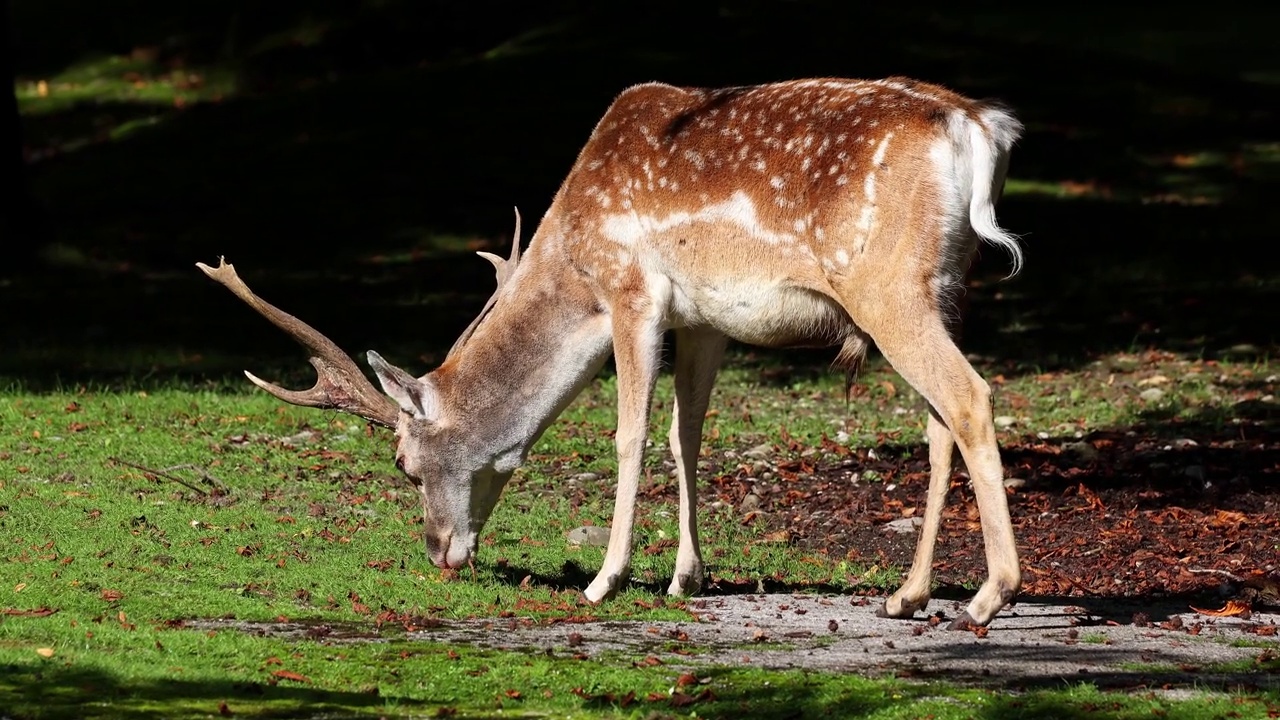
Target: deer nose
438	550
457	556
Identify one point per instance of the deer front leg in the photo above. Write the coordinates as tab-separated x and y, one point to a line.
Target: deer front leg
698	355
914	593
637	339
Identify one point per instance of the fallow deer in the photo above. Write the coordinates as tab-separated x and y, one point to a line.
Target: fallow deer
821	212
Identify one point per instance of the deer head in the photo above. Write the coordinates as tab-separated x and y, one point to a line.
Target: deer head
458	481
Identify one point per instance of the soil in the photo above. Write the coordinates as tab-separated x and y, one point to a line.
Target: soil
1147	511
1113	644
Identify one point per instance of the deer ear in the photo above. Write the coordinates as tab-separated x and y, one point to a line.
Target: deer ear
417	397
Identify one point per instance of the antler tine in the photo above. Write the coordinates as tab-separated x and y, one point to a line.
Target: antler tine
340	385
504	269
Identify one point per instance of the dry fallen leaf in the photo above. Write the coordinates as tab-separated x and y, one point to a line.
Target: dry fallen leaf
45	652
291	675
781	536
1231	609
38	612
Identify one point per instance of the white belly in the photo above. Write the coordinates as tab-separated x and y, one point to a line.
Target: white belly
769	313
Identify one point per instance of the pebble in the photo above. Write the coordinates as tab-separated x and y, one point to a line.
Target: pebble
904	525
592	535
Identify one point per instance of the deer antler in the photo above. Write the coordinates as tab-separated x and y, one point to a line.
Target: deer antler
340	384
505	269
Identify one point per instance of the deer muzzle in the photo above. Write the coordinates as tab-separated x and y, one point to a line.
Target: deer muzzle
450	551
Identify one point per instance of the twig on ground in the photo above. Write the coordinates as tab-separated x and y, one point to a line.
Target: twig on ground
158	473
1212	571
204	474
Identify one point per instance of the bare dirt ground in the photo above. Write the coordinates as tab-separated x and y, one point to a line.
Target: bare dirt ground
1110	643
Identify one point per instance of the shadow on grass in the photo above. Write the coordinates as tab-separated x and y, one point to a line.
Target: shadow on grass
574	576
354	173
59	691
1207	458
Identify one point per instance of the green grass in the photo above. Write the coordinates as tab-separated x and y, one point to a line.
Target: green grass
296	514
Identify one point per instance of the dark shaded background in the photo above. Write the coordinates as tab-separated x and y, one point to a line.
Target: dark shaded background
331	174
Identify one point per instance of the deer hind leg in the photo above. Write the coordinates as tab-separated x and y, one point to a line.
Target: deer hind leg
698	356
916	343
915	592
637	342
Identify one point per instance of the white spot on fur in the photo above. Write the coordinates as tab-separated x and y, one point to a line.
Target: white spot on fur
881	149
627	229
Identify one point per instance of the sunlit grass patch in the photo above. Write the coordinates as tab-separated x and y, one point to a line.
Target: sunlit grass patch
139	80
110	98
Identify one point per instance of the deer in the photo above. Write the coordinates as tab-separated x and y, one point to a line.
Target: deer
823	212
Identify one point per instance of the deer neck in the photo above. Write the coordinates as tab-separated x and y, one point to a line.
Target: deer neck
543	341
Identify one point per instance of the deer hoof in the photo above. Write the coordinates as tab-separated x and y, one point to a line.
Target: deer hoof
903	614
905	611
685	584
964	622
602	589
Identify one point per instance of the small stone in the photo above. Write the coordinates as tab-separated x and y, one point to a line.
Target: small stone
1244	350
585	477
302	438
1082	452
1151	394
904	525
1015	483
1006	421
760	452
750	503
591	535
